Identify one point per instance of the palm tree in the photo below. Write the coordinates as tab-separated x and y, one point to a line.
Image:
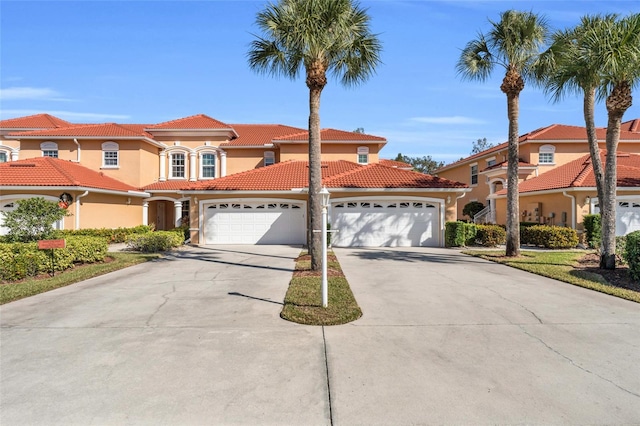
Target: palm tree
321	37
594	58
513	43
617	54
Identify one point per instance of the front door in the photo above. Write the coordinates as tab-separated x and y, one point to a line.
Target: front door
160	216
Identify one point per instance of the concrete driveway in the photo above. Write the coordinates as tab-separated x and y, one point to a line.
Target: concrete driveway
196	339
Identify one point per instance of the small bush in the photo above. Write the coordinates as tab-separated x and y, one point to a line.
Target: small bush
458	234
591	224
632	254
87	249
116	235
32	220
472	208
553	237
490	235
621	249
154	242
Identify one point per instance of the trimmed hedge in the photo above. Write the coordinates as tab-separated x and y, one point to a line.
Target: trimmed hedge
157	241
632	254
592	227
116	235
554	237
490	235
459	234
21	260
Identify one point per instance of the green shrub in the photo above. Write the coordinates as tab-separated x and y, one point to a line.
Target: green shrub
154	242
554	237
458	234
632	254
490	235
472	208
87	249
591	224
32	219
621	249
116	235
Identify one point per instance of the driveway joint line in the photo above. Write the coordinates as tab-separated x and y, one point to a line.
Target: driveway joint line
326	365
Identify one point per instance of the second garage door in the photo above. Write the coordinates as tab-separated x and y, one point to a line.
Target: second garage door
385	224
254	223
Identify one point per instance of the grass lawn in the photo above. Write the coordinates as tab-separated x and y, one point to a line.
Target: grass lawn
10	291
303	301
560	265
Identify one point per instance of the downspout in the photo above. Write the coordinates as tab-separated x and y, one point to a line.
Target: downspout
78	208
77	143
573	208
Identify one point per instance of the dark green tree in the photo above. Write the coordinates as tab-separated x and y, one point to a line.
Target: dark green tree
424	164
32	219
480	145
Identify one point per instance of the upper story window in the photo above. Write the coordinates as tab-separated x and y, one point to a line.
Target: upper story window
491	162
363	155
207	165
3	157
546	154
269	158
474	174
110	155
177	165
49	149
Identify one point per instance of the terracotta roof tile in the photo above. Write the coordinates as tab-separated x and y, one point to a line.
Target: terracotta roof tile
396	164
506	163
259	134
37	121
579	174
47	171
90	130
199	121
381	176
331	135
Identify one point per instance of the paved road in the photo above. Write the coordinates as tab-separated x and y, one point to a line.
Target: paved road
196	339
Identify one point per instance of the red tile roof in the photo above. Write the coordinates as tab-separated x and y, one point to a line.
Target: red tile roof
53	172
629	131
331	135
294	174
90	130
505	163
579	174
37	121
259	134
199	121
396	164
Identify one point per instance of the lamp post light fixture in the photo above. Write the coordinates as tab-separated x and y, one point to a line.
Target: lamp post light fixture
324	194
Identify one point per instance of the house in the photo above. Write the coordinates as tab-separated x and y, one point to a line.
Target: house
232	183
556	181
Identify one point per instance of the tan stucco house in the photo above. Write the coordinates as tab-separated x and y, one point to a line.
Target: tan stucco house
232	183
556	181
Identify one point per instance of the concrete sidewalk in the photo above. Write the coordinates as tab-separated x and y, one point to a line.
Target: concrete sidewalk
196	338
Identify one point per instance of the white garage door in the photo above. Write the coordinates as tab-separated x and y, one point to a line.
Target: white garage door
254	223
627	217
385	224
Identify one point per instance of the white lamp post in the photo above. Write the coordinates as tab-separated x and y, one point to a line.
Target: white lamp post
324	193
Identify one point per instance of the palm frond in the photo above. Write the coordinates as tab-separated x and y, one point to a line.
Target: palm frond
476	61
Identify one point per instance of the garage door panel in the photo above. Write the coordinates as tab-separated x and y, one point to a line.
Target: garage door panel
254	223
385	224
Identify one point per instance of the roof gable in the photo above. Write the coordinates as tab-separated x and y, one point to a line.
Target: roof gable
259	134
37	121
198	121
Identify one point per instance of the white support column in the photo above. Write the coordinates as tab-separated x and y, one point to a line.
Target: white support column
163	166
178	212
223	164
145	213
15	154
192	167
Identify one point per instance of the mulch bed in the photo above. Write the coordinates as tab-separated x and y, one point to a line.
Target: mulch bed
618	277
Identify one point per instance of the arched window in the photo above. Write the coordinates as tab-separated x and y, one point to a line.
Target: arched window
363	155
269	158
546	154
207	165
110	155
49	149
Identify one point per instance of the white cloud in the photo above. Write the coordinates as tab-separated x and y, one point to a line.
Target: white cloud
456	119
66	115
30	93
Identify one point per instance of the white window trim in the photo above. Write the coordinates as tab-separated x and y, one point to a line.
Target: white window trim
363	150
110	147
489	160
49	146
7	156
184	166
471	175
269	155
547	149
200	160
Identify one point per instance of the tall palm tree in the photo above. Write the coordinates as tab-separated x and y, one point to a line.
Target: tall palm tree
594	58
321	37
513	43
617	54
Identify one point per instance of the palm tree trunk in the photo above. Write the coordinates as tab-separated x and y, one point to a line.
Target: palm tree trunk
513	211
594	149
314	239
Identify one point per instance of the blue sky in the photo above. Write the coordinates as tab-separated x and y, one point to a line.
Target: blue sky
152	61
